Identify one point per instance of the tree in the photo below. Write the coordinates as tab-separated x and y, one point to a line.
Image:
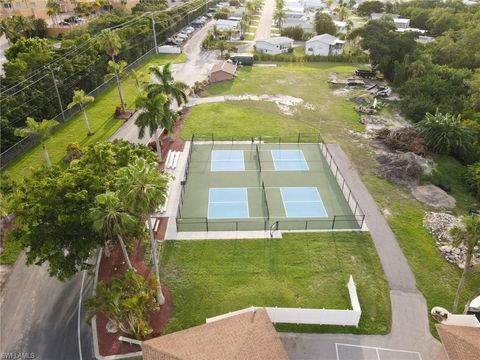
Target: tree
367	8
111	220
137	77
152	116
80	99
222	46
41	130
127	301
468	235
110	43
445	133
115	70
167	85
342	13
293	32
144	190
53	8
324	24
279	17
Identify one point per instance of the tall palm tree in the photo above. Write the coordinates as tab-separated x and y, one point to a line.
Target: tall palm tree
40	130
342	13
279	17
137	77
110	43
112	220
167	84
115	70
468	235
53	8
144	189
80	99
153	115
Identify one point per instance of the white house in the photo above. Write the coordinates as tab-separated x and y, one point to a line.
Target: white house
341	26
313	4
324	44
401	23
226	25
274	46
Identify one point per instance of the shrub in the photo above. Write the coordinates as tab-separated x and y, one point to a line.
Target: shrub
221	14
293	32
344	58
472	178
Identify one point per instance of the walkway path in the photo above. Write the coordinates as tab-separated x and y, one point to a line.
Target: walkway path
265	23
410	327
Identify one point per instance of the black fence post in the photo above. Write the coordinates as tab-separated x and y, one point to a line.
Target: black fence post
298	139
333	222
206	223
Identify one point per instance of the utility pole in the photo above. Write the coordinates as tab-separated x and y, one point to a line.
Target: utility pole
58	94
154	36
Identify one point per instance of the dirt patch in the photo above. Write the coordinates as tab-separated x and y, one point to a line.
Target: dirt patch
386	120
401	168
433	196
285	103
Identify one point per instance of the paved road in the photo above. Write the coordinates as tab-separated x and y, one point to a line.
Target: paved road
39	315
196	68
410	330
265	23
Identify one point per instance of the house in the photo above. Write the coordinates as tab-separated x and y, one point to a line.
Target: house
423	39
274	46
401	23
222	72
227	25
304	22
324	44
244	336
341	26
460	342
377	16
313	4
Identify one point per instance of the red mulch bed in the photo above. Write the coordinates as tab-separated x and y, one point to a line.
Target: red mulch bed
115	265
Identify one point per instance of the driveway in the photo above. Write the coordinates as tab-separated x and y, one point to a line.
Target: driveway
410	336
196	68
265	23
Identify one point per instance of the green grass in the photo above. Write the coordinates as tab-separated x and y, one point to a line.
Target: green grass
102	122
310	270
337	122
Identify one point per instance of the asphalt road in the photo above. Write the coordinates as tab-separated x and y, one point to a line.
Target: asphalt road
39	315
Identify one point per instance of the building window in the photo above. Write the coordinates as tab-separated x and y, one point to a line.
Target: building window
7	5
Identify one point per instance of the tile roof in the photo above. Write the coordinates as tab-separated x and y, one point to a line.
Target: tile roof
248	336
460	342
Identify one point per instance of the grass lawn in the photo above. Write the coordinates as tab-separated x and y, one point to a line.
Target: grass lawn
310	270
336	120
102	122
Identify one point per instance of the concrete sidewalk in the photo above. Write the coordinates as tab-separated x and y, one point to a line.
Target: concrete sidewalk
410	326
265	23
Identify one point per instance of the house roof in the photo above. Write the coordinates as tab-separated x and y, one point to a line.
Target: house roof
460	342
327	39
225	67
249	336
277	40
223	22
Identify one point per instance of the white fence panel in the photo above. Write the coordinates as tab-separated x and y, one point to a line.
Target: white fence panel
169	49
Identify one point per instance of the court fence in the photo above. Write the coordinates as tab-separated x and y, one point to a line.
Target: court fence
336	222
281	315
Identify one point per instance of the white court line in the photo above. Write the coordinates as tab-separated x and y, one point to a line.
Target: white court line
78	315
376	349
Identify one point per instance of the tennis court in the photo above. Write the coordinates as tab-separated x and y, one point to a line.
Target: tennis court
260	186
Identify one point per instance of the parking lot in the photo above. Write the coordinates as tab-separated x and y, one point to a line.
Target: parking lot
360	352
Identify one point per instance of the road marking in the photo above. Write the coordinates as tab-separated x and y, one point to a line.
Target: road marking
376	349
78	315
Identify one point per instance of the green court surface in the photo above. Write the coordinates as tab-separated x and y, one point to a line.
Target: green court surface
261	186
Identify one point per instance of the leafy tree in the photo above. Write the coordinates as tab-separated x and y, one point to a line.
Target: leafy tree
80	99
342	13
40	130
115	70
367	8
222	46
222	13
111	220
385	45
167	85
294	32
53	9
110	43
126	300
28	46
152	116
144	190
468	235
324	24
445	134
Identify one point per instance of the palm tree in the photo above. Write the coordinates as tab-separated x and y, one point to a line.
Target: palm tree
110	219
279	17
115	70
468	235
23	24
167	85
53	8
41	130
152	116
137	77
144	189
80	99
446	134
110	43
342	13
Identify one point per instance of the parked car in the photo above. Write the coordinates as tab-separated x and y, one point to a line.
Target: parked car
181	35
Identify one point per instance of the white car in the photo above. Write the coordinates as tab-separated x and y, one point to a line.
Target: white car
181	35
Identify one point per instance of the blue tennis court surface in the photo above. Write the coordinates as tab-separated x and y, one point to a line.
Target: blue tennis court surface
289	160
302	202
227	203
227	160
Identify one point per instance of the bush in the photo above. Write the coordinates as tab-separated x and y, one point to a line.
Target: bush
293	32
221	14
472	178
